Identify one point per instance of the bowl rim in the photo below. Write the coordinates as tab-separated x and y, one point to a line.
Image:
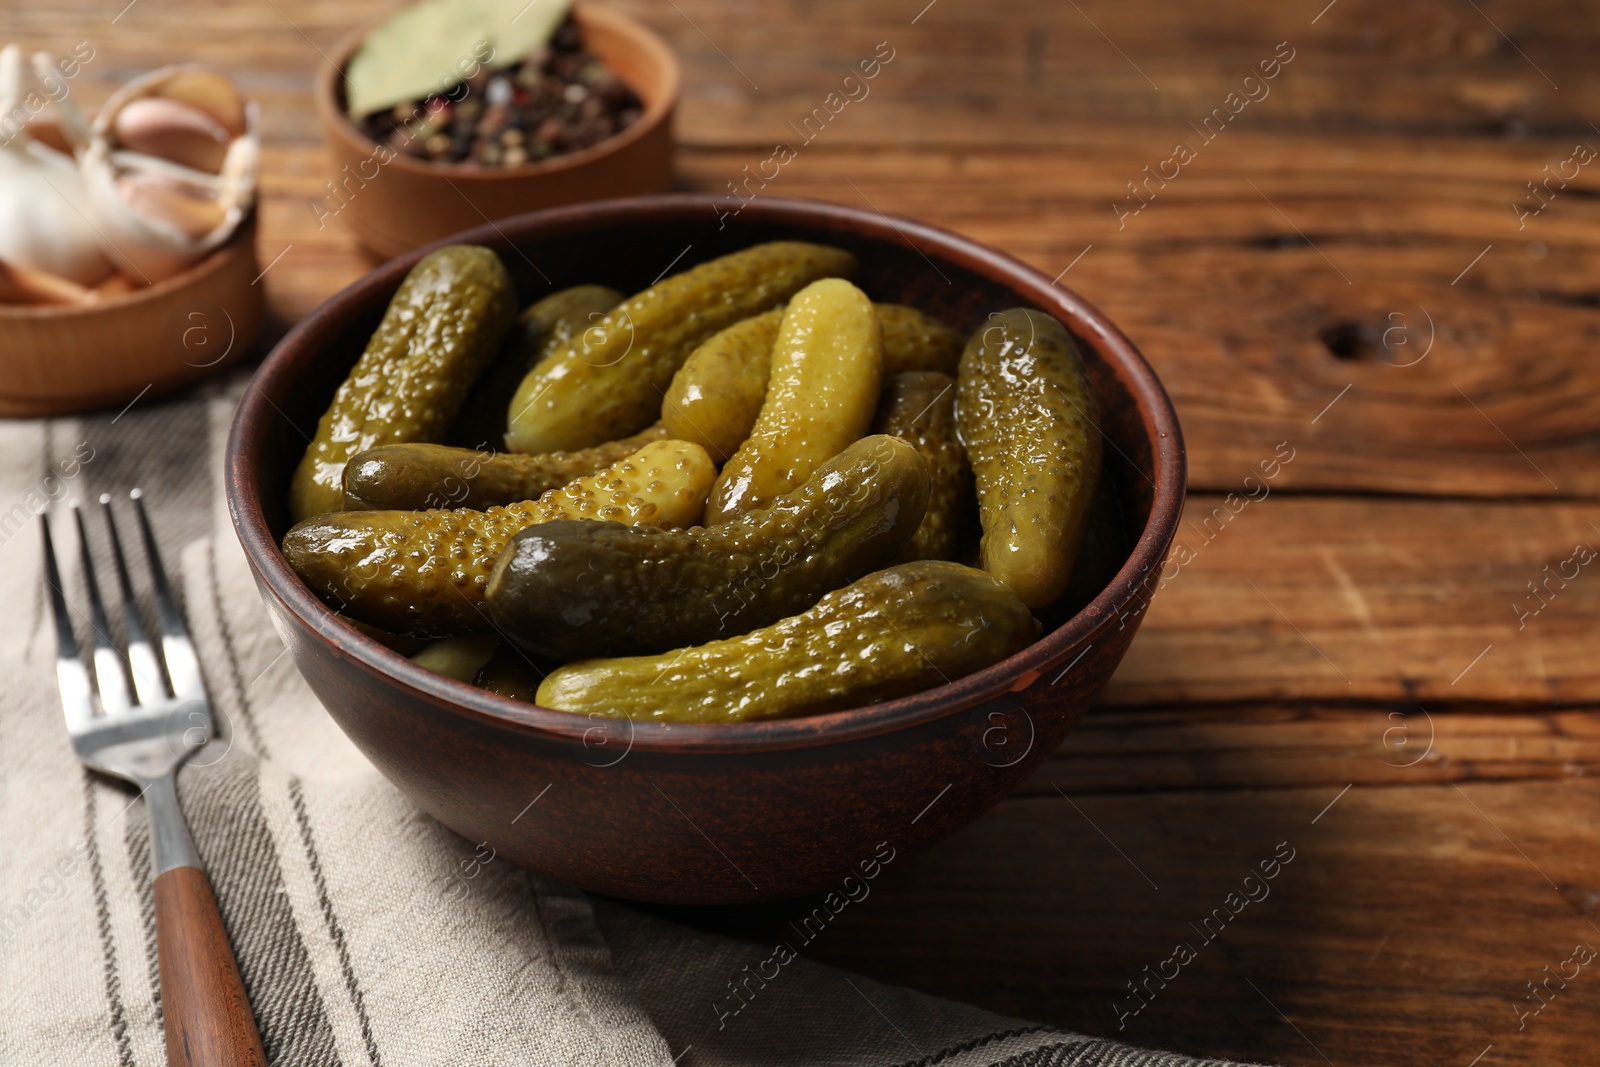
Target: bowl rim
1013	674
337	124
211	263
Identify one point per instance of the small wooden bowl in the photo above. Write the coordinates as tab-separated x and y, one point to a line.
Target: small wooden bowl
399	205
721	813
59	360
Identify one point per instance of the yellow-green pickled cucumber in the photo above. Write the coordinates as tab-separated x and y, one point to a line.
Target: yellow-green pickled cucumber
460	658
827	364
1031	426
573	590
424	572
893	633
442	328
414	477
544	326
608	381
920	408
717	393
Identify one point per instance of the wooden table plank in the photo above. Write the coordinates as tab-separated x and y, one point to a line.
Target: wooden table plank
1029	76
1377	599
1277	746
1403	931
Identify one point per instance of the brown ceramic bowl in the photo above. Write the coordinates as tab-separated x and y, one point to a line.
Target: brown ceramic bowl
701	814
396	206
143	343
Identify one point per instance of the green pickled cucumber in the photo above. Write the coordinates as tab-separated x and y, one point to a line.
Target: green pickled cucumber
608	381
442	328
717	393
913	341
415	477
920	408
578	589
1031	426
424	572
827	364
893	633
543	327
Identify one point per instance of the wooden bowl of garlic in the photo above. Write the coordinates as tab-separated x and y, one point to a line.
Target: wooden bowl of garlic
127	244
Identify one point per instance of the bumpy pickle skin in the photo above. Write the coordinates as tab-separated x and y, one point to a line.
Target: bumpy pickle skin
442	328
1030	423
716	395
574	590
608	381
919	407
827	364
893	633
913	341
544	326
424	573
412	477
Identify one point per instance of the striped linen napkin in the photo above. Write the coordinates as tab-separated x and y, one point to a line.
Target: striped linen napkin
345	905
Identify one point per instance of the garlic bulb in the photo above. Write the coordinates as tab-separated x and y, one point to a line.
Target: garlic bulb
171	167
44	208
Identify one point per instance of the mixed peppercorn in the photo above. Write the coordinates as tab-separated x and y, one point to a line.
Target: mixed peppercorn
560	99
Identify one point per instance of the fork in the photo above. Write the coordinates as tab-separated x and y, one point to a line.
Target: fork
143	737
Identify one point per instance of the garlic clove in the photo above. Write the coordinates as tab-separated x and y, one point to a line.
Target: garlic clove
172	130
27	285
44	211
159	213
118	284
191	211
211	93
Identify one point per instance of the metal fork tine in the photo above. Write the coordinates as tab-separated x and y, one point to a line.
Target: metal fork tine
176	648
141	655
71	675
108	672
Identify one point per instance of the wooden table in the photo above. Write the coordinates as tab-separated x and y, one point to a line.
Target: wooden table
1354	664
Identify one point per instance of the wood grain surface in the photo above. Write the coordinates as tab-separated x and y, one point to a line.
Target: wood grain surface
1340	270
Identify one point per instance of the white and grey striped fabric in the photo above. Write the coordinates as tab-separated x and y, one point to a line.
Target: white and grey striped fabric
360	941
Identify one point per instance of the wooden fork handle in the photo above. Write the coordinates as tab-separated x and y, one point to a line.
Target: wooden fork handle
207	1014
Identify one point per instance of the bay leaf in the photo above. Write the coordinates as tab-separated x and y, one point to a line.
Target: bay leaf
432	46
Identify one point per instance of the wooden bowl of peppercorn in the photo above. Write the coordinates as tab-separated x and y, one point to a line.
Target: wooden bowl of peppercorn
406	187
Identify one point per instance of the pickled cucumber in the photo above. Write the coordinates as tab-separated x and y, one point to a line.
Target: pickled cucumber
920	408
608	382
827	363
577	589
716	395
511	673
424	572
1030	424
458	657
914	341
442	328
413	477
543	327
896	632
